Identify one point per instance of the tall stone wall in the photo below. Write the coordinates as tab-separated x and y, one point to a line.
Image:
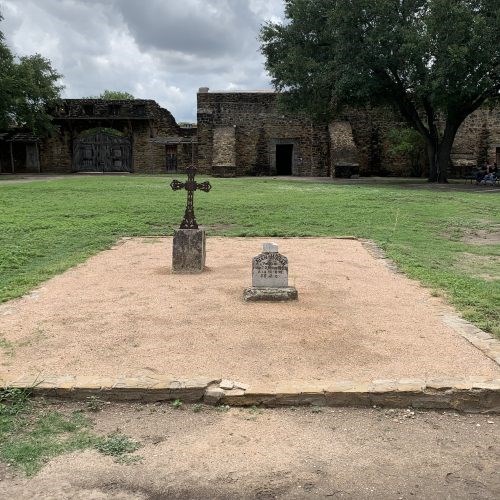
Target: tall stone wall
477	140
149	127
259	126
239	133
224	147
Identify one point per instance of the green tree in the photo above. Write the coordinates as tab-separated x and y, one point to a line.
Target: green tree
28	87
113	95
436	61
408	142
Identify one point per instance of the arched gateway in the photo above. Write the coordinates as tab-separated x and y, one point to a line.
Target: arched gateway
102	150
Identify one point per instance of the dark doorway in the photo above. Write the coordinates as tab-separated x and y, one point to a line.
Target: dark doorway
284	155
171	157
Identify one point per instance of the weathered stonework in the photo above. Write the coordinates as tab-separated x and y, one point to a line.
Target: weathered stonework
344	152
188	251
259	127
468	395
149	128
247	133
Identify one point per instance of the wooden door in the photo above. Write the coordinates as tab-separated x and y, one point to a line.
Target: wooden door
171	157
102	152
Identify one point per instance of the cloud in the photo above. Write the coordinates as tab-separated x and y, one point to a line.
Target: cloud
156	49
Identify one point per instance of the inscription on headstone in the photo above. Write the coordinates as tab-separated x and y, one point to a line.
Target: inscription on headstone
270	277
270	269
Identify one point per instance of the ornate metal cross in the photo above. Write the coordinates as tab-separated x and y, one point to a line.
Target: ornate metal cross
189	221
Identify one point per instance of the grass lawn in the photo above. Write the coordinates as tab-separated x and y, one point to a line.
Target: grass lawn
432	234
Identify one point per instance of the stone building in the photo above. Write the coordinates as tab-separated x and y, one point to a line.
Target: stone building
237	133
96	135
19	152
245	133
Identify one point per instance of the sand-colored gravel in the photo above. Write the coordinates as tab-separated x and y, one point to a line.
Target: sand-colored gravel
122	313
292	453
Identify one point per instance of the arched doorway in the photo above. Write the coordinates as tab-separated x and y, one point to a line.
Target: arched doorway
102	150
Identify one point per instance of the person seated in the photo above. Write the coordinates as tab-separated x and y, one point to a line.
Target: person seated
490	176
480	174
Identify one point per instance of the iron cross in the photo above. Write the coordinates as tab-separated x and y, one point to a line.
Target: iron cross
189	221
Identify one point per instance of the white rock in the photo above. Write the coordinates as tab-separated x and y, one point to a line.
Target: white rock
226	384
270	247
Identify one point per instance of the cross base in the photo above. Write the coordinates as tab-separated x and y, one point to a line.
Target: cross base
189	251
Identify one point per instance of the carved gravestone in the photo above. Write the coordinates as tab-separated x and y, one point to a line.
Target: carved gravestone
270	277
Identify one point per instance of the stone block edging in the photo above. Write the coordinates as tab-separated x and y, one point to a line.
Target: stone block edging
484	341
473	394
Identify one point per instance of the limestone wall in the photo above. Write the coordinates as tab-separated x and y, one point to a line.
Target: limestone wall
224	147
148	126
259	125
238	134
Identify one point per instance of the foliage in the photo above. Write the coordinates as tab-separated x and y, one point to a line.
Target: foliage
408	142
30	438
94	403
13	401
177	404
436	61
113	95
28	87
116	445
48	226
30	435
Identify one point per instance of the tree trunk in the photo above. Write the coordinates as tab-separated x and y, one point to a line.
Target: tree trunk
439	161
439	153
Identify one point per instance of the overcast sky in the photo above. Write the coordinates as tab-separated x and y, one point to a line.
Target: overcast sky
154	49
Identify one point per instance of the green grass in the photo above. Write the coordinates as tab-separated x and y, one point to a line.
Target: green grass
31	434
48	226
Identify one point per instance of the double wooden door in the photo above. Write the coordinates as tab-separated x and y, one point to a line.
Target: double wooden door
102	152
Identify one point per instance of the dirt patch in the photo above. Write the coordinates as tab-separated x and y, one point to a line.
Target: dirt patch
302	453
483	237
486	267
220	227
122	313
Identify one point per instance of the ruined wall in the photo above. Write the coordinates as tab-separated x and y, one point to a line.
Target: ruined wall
238	134
371	128
148	126
477	140
343	150
224	147
56	152
259	125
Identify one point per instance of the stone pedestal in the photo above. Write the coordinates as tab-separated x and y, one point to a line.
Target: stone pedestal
279	294
189	251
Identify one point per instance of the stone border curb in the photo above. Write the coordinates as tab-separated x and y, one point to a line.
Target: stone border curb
474	394
480	339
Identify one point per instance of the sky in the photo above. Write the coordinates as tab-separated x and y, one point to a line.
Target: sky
154	49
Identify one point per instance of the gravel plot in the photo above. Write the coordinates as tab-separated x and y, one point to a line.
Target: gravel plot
122	313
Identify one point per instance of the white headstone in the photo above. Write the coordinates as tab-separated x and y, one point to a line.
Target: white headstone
270	268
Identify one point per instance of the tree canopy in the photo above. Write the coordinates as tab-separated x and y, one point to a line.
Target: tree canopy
435	61
114	95
28	87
